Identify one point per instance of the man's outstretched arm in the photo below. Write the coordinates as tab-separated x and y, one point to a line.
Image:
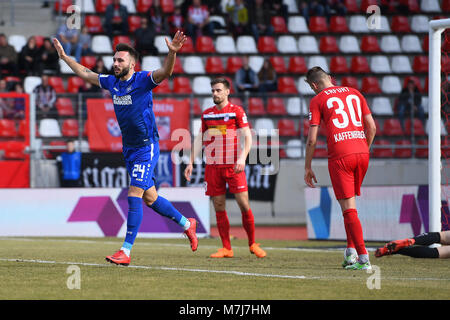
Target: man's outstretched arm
81	71
166	70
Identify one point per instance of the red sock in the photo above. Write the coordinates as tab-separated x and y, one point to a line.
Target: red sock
248	221
223	224
350	243
353	224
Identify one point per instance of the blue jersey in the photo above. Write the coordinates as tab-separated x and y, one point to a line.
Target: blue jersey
133	105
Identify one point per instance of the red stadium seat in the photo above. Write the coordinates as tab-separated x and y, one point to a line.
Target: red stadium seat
15	150
446	5
297	65
279	25
65	5
392	127
88	61
236	101
74	83
414	6
142	6
196	108
416	81
370	85
94	24
360	65
367	3
422	152
182	85
321	149
39	40
278	64
234	64
286	128
214	65
134	23
163	87
57	84
11	79
267	44
419	129
403	152
7	128
205	44
101	5
275	106
425	43
445	64
382	152
188	46
420	64
318	24
328	44
167	6
351	82
287	85
322	130
369	44
338	24
23	128
256	106
231	84
338	64
400	24
121	39
70	128
178	67
352	6
64	107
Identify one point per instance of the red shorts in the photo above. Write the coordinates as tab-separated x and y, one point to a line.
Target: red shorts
347	174
217	178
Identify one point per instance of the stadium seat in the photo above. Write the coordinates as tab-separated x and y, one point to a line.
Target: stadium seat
17	41
15	150
88	61
379	151
167	6
30	83
101	5
358	24
338	64
321	149
320	61
142	6
400	24
384	26
294	106
306	45
349	44
279	25
328	44
65	4
193	64
352	6
303	87
350	81
391	84
236	101
419	23
366	3
93	23
287	44
7	128
225	44
204	44
160	44
134	23
214	65
70	128
267	44
390	44
256	106
338	24
188	46
369	44
49	128
64	67
87	6
430	6
246	44
129	4
182	85
422	152
57	84
318	24
403	149
370	85
294	148
297	64
64	107
382	106
401	64
392	127
420	64
234	64
380	64
419	129
101	44
202	85
121	39
446	5
411	43
416	81
278	64
264	127
287	85
286	128
163	87
150	63
360	64
297	24
256	62
276	107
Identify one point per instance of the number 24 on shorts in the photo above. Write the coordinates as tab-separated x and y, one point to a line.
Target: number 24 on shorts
139	168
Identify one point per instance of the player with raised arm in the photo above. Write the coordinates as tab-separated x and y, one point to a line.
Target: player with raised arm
221	125
350	132
131	92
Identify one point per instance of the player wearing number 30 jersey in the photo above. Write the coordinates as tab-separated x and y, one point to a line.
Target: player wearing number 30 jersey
350	131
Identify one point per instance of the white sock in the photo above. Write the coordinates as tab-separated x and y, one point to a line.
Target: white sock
363	258
350	251
126	251
187	225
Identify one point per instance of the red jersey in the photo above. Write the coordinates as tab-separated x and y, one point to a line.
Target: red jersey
342	110
220	134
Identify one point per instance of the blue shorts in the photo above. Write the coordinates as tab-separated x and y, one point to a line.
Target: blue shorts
141	163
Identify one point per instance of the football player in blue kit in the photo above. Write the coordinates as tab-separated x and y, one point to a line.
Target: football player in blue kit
131	92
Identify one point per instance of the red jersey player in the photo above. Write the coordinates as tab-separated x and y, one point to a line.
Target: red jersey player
350	131
225	165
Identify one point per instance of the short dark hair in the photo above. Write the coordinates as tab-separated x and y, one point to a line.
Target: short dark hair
315	74
224	81
126	47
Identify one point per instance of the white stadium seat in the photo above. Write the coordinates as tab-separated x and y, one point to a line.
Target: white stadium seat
193	64
256	63
201	85
225	44
443	130
150	63
101	44
30	83
108	61
382	106
291	6
411	43
160	43
265	127
131	8
195	126
349	44
303	87
308	44
383	27
246	44
401	64
391	84
86	6
82	147
294	106
419	23
49	128
64	67
207	103
380	64
294	148
17	41
287	44
358	24
390	44
430	6
320	61
297	24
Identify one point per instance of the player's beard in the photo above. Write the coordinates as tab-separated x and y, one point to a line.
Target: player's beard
217	100
123	73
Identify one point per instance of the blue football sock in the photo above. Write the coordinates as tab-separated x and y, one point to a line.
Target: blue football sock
135	213
163	207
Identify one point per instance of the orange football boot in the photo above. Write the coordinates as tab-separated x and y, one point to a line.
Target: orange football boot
190	233
257	251
119	258
223	253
